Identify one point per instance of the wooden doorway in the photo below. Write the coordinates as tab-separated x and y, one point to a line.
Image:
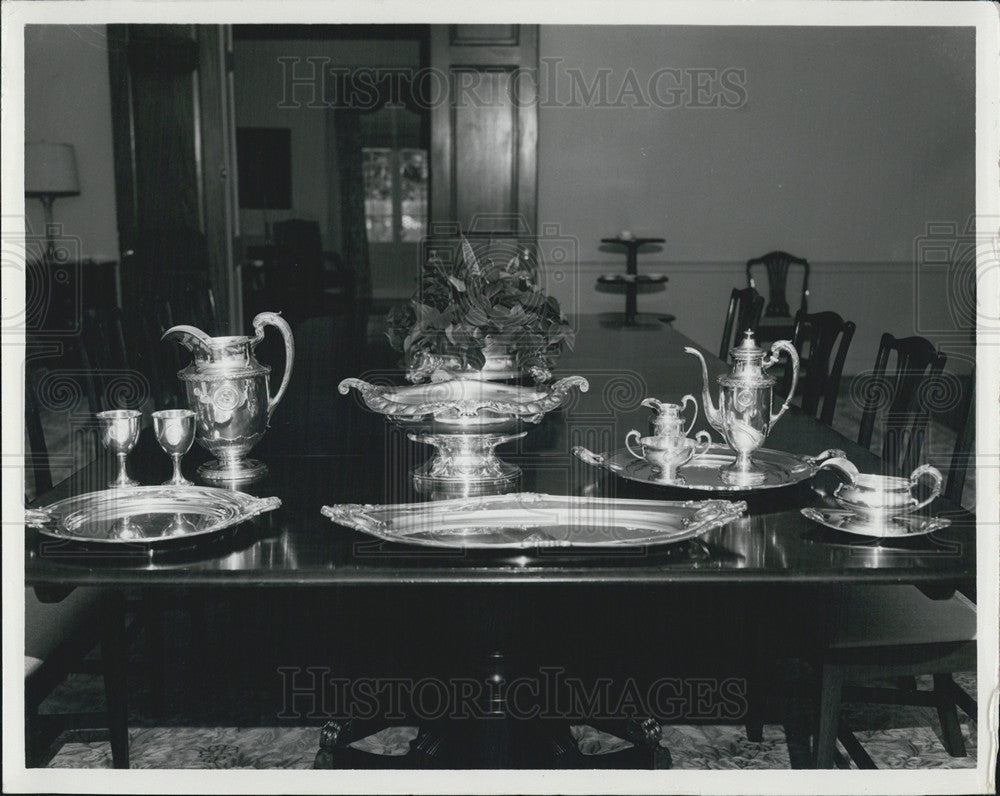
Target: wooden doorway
174	152
484	137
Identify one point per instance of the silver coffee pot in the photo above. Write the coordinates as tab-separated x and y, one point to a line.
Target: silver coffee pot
228	391
744	415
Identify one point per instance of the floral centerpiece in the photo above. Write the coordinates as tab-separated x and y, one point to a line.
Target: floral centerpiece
478	318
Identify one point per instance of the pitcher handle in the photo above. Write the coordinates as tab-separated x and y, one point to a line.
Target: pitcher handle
770	359
706	439
273	319
684	402
628	443
935	476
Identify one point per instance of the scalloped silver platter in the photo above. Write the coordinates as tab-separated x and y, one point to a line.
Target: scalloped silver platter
704	473
530	520
464	405
147	515
898	527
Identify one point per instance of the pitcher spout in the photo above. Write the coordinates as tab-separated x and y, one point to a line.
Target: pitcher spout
711	410
192	338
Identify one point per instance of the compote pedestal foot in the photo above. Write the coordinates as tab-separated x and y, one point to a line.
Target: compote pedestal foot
466	465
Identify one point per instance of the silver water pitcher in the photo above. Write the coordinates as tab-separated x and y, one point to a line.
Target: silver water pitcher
744	415
227	388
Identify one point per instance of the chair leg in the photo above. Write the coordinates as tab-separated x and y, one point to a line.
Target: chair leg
757	685
152	617
854	748
951	730
829	714
962	699
113	653
30	735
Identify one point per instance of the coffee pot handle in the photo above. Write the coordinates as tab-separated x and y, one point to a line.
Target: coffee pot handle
273	319
684	402
772	358
628	443
935	476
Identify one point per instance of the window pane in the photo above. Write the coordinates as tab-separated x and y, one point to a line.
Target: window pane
377	164
413	193
379	228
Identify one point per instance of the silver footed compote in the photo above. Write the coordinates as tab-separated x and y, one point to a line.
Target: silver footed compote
175	432
120	432
465	419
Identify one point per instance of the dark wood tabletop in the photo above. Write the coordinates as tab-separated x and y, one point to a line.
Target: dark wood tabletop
324	448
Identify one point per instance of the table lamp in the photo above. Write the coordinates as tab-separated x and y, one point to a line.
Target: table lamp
50	172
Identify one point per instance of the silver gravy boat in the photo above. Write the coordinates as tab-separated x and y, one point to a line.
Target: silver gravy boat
744	415
227	390
879	498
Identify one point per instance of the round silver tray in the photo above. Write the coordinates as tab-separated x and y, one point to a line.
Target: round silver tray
531	520
148	516
704	472
898	527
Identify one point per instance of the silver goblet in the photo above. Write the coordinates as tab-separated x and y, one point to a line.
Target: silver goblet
175	432
120	432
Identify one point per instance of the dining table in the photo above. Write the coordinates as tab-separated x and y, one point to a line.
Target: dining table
323	448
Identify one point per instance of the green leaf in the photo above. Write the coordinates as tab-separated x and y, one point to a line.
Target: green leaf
469	260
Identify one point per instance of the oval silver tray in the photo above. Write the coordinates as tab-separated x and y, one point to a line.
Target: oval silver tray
531	520
147	515
704	472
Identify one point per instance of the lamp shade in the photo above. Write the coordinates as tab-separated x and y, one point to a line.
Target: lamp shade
50	170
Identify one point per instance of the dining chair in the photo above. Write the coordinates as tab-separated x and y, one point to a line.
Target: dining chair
877	633
157	361
897	631
745	307
815	337
298	286
111	381
37	459
901	397
965	446
777	322
59	632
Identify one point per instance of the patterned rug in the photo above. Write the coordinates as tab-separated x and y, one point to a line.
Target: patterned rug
896	737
